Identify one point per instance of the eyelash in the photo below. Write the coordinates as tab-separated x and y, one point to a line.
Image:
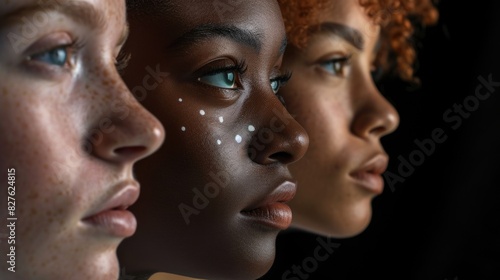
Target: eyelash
282	79
241	67
121	61
230	80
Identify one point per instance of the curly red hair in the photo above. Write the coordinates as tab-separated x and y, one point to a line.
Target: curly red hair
396	18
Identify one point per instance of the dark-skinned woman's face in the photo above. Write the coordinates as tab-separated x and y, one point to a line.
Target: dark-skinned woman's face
212	199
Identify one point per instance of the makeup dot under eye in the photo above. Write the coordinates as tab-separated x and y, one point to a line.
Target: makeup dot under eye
221	119
180	99
202	112
183	128
219	142
238	139
251	128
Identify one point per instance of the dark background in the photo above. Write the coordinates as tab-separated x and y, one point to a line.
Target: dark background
443	221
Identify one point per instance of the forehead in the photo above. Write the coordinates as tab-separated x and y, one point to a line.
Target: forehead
262	16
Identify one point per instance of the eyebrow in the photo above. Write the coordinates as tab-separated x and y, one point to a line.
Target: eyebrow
351	35
80	11
207	31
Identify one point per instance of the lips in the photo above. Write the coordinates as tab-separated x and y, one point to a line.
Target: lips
273	212
112	217
369	176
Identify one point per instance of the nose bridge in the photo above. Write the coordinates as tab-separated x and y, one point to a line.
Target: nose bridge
128	132
374	114
279	138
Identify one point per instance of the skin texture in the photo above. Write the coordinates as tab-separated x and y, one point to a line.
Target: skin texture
217	242
345	116
72	131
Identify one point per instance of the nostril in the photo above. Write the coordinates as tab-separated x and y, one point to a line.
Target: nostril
130	151
381	130
283	157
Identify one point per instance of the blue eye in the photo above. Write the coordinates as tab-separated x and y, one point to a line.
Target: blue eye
280	81
336	66
225	79
275	85
57	56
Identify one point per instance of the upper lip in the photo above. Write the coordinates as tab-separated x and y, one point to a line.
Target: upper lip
282	194
375	165
123	196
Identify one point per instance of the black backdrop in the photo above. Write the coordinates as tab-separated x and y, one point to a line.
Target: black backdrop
443	221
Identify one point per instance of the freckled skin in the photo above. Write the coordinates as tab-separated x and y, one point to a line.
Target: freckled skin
46	115
218	243
345	118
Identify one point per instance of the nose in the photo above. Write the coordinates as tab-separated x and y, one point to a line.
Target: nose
128	131
280	138
374	115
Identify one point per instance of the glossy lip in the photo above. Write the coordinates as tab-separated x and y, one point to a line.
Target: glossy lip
273	211
112	216
369	176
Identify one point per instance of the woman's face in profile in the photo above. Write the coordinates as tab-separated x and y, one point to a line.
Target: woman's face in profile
70	134
333	96
213	197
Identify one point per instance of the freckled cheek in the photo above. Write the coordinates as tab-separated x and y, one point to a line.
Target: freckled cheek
45	210
36	148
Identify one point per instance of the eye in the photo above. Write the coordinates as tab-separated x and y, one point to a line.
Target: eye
58	56
337	66
275	85
280	81
225	79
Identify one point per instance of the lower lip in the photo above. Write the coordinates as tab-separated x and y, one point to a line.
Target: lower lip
276	215
120	223
370	181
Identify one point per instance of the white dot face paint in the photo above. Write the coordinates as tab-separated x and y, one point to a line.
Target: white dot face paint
221	119
219	142
251	128
183	128
202	112
238	139
180	99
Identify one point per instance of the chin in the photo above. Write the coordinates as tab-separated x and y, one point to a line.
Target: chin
105	264
343	223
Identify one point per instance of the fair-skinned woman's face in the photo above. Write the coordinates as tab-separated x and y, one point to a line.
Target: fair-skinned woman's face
71	132
213	200
332	95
